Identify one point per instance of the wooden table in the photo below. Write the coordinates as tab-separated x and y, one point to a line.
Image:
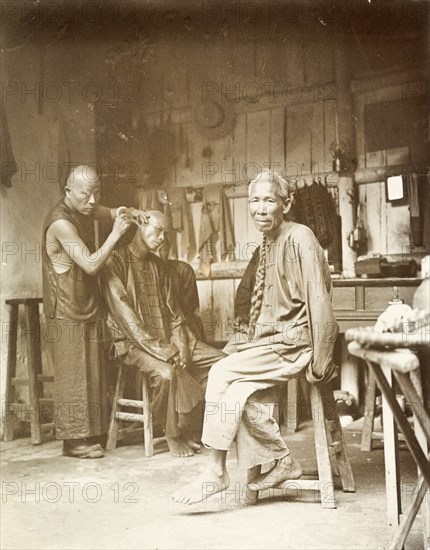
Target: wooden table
386	362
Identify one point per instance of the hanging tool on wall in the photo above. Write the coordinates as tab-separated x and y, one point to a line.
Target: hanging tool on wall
187	152
357	238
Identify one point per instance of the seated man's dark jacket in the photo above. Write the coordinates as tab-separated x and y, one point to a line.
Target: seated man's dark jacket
143	311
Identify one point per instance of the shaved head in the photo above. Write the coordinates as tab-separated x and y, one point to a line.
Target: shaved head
152	234
82	175
82	189
157	217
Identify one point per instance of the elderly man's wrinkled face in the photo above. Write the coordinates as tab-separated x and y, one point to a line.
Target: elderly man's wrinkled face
153	233
83	193
266	207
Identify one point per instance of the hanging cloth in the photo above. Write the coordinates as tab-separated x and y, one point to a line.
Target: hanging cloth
414	208
215	225
149	199
426	210
182	222
318	197
7	160
419	196
64	161
186	391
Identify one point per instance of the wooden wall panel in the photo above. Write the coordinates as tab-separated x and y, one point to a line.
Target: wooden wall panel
299	137
240	224
398	229
188	176
383	229
258	141
239	145
387	226
222	309
369	196
277	138
294	61
204	288
312	76
318	144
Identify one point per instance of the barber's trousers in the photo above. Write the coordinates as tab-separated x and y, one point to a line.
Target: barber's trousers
233	412
160	375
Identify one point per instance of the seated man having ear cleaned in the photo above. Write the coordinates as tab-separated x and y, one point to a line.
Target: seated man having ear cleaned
151	333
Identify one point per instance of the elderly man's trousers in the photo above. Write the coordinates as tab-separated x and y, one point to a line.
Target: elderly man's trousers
238	406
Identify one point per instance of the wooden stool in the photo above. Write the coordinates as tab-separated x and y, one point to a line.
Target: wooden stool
35	377
330	450
368	435
296	403
117	415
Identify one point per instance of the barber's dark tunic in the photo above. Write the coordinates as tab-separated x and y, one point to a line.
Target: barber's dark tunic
71	302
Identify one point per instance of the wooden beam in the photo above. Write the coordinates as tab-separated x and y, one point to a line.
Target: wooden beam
380	173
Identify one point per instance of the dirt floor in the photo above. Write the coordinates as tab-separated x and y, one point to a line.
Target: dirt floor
123	501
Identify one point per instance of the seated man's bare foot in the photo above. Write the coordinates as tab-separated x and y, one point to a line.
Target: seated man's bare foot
207	484
192	438
194	445
178	447
284	469
82	449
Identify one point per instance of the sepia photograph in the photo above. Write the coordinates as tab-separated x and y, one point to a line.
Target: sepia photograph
215	275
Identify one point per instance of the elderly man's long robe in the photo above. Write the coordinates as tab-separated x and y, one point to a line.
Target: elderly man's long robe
295	332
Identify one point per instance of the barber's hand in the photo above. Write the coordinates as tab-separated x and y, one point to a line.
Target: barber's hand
121	224
141	216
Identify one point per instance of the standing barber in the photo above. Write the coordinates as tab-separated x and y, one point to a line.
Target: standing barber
72	306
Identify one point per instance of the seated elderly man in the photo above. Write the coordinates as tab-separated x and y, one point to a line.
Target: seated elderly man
291	329
150	333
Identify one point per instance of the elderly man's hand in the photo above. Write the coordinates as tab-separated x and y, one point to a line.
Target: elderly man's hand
239	325
178	363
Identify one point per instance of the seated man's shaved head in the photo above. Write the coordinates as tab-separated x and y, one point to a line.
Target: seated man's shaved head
155	216
152	234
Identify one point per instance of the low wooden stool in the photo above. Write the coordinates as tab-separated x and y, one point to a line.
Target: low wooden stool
330	450
35	378
118	415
